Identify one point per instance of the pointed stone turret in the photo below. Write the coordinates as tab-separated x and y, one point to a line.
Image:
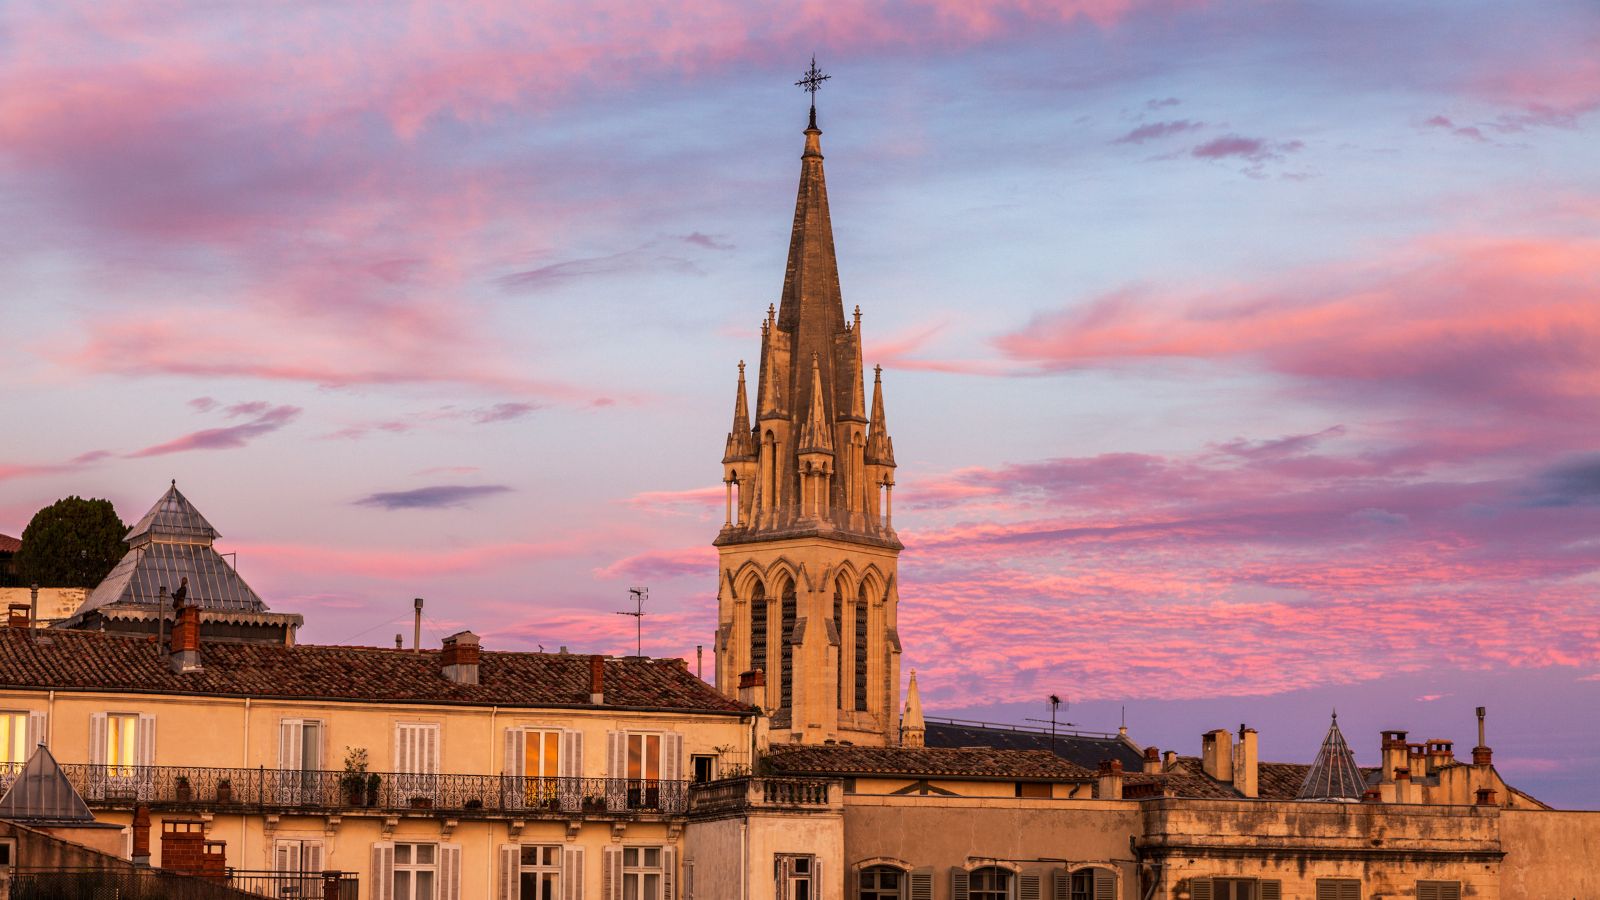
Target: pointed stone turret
814	434
741	443
880	447
1334	775
913	729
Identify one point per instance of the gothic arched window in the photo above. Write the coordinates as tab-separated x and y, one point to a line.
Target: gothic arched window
758	628
861	649
786	630
838	628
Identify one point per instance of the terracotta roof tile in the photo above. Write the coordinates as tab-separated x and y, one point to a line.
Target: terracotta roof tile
82	660
925	762
9	544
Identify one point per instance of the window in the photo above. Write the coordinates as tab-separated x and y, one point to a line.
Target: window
705	768
416	762
298	865
1093	883
1438	890
838	625
1338	889
882	883
990	883
539	873
787	616
1233	889
14	747
644	769
797	876
1034	789
119	742
122	742
541	766
642	874
416	871
299	756
758	631
861	649
1082	885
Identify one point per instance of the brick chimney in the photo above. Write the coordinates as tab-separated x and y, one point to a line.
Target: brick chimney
1440	753
185	655
1169	760
1110	780
183	845
141	835
18	617
753	688
1246	763
1402	786
459	659
1481	754
1393	753
597	679
1152	761
1216	755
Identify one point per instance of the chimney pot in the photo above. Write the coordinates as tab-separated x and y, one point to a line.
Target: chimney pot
597	679
752	687
185	655
1482	756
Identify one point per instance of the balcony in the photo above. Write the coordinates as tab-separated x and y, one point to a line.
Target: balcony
329	791
738	795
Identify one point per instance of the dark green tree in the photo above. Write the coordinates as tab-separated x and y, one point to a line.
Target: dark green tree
73	542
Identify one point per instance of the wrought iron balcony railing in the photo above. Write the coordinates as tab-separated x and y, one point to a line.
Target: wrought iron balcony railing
378	791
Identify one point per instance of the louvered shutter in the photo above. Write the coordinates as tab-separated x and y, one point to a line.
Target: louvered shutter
431	749
572	873
290	740
509	884
283	857
97	739
311	857
1105	884
958	883
922	883
1450	890
1427	890
1060	885
1200	889
1270	889
35	731
669	873
147	740
783	871
611	873
616	772
513	766
671	756
383	870
1327	889
449	872
570	789
1028	887
688	880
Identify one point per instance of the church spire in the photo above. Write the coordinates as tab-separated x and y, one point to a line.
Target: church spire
814	434
913	729
880	447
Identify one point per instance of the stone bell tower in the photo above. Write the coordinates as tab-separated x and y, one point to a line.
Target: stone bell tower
807	585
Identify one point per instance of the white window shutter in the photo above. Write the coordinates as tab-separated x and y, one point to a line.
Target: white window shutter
510	886
669	873
290	735
817	888
311	858
1028	887
283	857
147	740
449	872
97	739
572	754
1060	885
688	880
431	743
35	730
383	870
1105	884
958	883
402	758
922	883
313	758
572	873
611	873
671	756
616	771
515	747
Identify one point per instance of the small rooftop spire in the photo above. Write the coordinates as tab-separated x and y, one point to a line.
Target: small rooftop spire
741	443
1334	775
814	434
880	447
912	726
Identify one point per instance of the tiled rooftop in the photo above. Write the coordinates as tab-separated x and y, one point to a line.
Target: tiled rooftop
924	762
9	544
1082	749
62	659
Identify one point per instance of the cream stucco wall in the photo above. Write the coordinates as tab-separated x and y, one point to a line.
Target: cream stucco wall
1550	854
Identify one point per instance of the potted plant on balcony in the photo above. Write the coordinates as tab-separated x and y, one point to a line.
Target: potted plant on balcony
224	790
354	780
182	790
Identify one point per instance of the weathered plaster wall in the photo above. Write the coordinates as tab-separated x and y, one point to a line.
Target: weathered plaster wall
1550	854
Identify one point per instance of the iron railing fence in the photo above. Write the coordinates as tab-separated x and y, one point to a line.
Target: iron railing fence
296	885
118	884
387	791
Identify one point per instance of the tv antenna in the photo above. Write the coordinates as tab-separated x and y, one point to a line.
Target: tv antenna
639	595
1055	704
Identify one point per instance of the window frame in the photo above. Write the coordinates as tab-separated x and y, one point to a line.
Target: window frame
640	872
1005	890
411	867
540	868
901	892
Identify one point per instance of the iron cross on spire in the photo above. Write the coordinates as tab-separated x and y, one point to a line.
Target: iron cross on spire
811	82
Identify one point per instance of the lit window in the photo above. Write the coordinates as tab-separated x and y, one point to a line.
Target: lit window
122	742
416	871
13	740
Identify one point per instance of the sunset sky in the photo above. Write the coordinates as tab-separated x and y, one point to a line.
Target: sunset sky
1242	358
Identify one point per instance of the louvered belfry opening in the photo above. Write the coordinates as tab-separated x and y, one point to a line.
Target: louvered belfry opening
1334	775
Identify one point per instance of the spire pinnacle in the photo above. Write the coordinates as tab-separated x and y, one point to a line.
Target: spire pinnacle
913	727
741	444
814	434
880	447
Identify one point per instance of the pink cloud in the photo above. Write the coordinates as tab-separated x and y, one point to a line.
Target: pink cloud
1157	130
266	420
678	563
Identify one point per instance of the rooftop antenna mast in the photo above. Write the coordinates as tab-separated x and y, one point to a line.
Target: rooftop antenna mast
639	595
1055	704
